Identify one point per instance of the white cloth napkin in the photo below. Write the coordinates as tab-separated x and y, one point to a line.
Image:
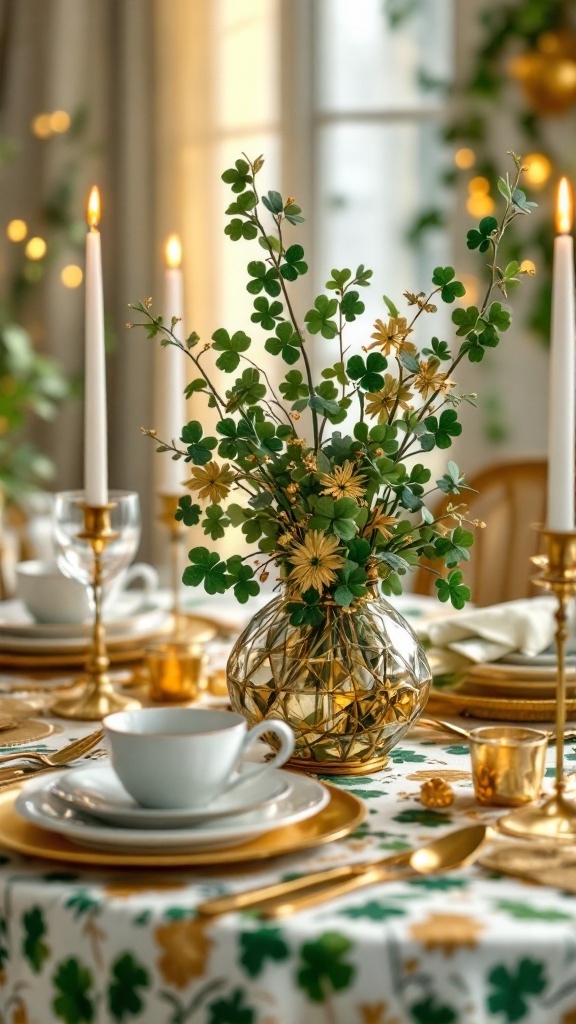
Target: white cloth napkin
487	634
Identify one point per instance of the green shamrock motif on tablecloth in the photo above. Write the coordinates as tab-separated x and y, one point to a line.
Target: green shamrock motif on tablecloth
440	884
74	1003
401	756
259	946
323	969
422	817
457	748
123	996
232	1010
524	912
374	910
82	903
428	1011
512	989
34	948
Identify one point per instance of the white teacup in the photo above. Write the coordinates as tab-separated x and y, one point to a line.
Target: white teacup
183	757
51	597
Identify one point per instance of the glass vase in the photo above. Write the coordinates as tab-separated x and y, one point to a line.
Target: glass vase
349	688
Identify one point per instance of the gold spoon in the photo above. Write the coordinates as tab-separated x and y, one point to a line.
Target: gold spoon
472	835
454	850
443	726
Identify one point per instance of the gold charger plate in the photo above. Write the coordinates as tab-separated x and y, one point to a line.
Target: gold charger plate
27	730
341	816
504	709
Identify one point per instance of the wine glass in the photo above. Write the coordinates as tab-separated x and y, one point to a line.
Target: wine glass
93	544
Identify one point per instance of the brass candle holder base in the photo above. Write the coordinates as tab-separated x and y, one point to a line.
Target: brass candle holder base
176	533
98	698
555	817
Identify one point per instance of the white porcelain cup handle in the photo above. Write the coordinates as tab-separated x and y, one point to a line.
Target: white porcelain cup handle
286	737
143	573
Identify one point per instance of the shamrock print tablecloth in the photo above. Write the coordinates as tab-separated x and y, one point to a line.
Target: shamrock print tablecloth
468	948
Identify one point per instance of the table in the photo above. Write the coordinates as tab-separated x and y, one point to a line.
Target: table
107	946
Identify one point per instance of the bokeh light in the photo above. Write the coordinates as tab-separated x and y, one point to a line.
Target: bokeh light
41	127
59	121
539	169
464	158
472	286
479	186
17	230
480	205
36	248
71	276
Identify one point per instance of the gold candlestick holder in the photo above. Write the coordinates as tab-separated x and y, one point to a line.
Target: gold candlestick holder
98	698
555	817
176	534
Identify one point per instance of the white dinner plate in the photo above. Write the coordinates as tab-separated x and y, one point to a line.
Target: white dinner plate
36	803
97	790
17	626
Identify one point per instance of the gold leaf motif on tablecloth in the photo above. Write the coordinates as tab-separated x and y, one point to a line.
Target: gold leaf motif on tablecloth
376	1013
123	888
20	1014
447	932
185	950
450	774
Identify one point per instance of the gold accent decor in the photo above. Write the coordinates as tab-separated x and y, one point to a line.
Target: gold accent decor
339	818
27	730
555	817
436	792
507	764
176	534
349	688
98	699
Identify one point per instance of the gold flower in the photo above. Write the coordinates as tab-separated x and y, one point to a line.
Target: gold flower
211	481
392	336
380	521
376	1013
447	932
315	561
428	381
185	950
343	482
381	403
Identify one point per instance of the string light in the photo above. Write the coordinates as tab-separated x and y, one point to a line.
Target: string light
17	230
465	158
36	248
71	276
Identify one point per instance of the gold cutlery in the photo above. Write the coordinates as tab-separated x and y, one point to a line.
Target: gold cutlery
442	726
451	850
71	752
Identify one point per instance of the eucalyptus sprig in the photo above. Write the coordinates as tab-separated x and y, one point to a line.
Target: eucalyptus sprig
348	510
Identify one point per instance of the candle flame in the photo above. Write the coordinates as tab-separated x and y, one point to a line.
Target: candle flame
564	207
93	214
173	251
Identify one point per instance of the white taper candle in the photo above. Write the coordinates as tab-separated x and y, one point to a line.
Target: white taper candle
95	417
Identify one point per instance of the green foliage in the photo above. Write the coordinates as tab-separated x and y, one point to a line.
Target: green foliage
512	989
339	513
124	998
74	1002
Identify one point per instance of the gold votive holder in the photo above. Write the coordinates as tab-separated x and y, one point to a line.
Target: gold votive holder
176	671
217	682
507	764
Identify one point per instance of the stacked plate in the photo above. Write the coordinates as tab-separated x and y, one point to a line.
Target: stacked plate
89	807
28	644
516	688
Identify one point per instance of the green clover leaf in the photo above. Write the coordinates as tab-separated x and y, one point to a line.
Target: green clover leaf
238	177
293	387
234	444
454	549
521	203
294	266
292	213
216	522
123	996
453	480
439	349
465	320
263	278
351	306
362	276
244	584
512	989
206	568
318	319
34	948
324	968
186	512
442	430
306	612
259	946
452	589
287	343
238	229
230	347
243	204
74	1004
247	390
338	279
199	448
335	516
480	239
273	202
450	289
498	316
266	313
367	373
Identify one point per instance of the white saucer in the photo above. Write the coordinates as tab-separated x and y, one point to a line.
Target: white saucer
36	803
128	616
97	790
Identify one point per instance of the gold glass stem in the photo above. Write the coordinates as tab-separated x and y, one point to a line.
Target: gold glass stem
98	698
562	634
169	504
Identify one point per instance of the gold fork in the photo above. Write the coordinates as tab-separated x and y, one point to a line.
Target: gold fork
75	750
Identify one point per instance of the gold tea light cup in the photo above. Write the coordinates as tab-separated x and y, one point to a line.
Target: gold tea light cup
507	764
176	671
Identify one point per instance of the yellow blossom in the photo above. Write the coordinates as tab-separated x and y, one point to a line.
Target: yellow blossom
380	521
392	336
211	481
315	561
343	482
428	381
382	403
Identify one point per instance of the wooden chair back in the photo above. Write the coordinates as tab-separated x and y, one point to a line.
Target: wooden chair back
511	497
